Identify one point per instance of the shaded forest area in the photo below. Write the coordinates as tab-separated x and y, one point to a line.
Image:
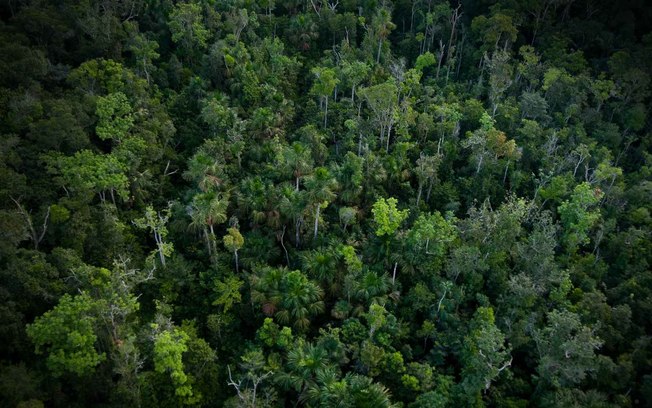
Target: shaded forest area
323	203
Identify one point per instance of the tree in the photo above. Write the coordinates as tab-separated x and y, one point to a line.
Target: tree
498	28
145	52
325	83
383	101
233	241
306	363
449	115
426	171
31	230
576	216
350	178
67	333
355	73
297	160
249	387
156	222
86	171
320	188
381	27
290	296
488	140
432	234
207	210
347	216
484	354
500	78
387	217
292	205
169	346
353	390
566	349
115	118
188	30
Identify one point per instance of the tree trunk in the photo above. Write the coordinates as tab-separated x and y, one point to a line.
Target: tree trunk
454	19
287	257
441	56
380	46
419	195
237	266
394	273
326	113
389	131
413	11
317	220
505	175
208	243
213	239
430	182
460	52
159	244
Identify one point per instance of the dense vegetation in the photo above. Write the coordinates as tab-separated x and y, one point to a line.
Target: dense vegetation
355	203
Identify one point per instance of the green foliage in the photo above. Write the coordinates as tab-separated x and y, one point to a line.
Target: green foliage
233	241
387	217
87	171
114	117
169	346
156	222
567	349
432	234
577	215
66	334
187	27
229	165
325	81
290	296
484	353
424	61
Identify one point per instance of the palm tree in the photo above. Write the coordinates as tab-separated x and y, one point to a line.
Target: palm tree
303	31
292	205
322	265
207	210
353	390
382	26
371	285
350	177
367	394
266	288
300	299
297	159
307	365
252	199
320	188
289	296
206	167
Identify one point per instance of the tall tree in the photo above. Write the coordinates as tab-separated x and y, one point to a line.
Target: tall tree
323	87
320	188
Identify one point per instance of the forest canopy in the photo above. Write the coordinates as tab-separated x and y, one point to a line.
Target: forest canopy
325	203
